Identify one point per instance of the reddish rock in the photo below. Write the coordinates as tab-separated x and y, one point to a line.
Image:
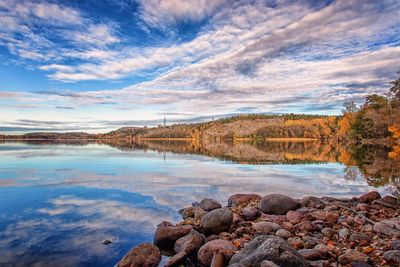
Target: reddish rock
166	234
363	207
277	204
266	227
361	239
294	217
209	204
328	232
305	226
370	196
352	256
206	252
250	213
296	242
146	255
391	200
288	226
311	202
273	218
314	254
282	233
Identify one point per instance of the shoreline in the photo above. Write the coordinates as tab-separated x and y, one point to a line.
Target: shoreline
277	230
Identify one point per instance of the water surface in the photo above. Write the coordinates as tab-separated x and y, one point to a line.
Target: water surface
58	201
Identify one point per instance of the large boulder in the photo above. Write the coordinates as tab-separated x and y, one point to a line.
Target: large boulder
186	247
277	204
209	204
146	255
166	234
217	221
206	252
270	248
370	196
242	199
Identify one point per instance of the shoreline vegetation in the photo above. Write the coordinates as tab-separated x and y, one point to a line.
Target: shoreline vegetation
377	121
277	230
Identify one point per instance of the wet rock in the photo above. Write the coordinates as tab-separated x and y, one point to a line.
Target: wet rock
192	212
250	213
166	234
206	252
277	204
328	232
392	256
266	227
241	199
389	227
391	200
269	248
186	246
294	217
370	196
311	202
146	255
314	254
296	242
217	221
361	239
106	242
209	204
352	256
282	233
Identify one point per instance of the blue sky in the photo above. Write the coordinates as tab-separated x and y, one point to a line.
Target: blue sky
98	65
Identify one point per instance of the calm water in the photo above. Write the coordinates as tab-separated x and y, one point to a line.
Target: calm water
59	201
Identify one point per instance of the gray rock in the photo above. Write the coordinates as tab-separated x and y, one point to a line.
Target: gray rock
311	202
361	239
294	217
392	256
209	204
277	204
263	228
269	248
268	264
206	252
344	233
166	234
352	256
146	255
282	233
250	213
320	263
389	227
217	221
395	245
192	212
328	232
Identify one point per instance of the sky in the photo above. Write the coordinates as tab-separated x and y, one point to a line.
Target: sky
98	65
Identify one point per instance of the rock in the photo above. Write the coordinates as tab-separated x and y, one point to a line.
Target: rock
217	221
209	204
294	217
344	233
250	213
370	196
361	239
391	200
296	242
352	256
306	226
166	234
106	242
277	204
146	255
268	264
186	246
266	227
288	226
273	218
395	245
320	263
311	202
363	207
206	252
282	233
314	254
392	256
389	227
240	199
359	264
269	248
328	232
192	212
311	241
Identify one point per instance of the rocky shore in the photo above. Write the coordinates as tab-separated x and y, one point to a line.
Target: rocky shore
277	230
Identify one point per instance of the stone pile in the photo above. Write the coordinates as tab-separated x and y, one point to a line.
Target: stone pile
277	230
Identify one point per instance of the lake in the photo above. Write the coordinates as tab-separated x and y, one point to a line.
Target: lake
60	200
